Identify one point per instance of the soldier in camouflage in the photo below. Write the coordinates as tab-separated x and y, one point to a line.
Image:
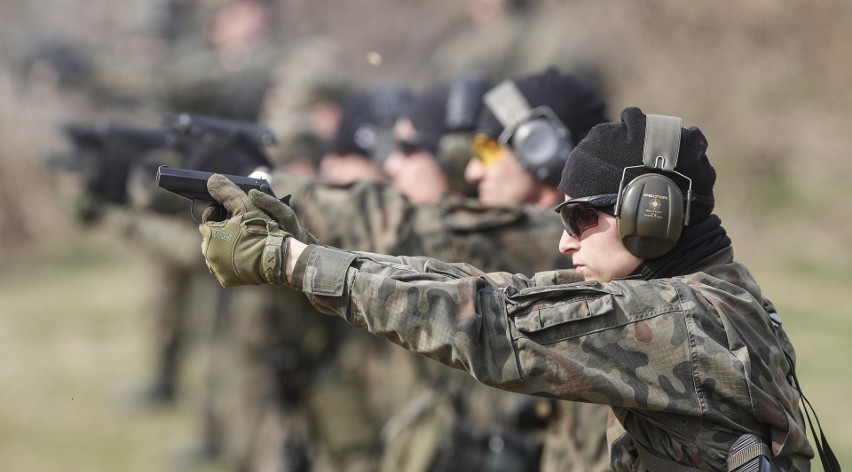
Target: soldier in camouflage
291	373
683	346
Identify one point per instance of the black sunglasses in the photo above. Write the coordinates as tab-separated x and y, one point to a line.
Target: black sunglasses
580	214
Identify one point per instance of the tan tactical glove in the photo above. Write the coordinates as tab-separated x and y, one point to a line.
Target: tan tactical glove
250	247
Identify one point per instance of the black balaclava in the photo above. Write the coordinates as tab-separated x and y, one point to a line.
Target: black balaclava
595	167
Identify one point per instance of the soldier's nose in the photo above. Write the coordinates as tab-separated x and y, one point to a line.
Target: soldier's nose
568	244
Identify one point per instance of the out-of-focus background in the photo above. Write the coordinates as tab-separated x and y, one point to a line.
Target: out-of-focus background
769	83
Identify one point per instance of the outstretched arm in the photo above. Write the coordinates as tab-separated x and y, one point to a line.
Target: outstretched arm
533	335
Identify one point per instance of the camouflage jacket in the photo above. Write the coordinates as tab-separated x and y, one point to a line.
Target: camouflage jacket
688	364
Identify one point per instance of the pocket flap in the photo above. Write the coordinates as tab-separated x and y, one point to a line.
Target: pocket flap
557	306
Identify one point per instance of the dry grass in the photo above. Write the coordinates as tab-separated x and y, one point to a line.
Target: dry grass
73	339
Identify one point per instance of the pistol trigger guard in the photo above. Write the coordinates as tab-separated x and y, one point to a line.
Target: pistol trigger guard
219	214
286	199
192	211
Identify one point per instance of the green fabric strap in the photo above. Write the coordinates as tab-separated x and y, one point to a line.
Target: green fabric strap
272	260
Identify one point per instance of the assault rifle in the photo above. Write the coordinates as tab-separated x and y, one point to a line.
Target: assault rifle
197	126
219	145
102	137
103	153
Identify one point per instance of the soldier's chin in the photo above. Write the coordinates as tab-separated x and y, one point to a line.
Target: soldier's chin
586	273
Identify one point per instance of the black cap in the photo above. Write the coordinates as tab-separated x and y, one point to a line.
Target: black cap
447	108
367	117
576	103
596	164
427	113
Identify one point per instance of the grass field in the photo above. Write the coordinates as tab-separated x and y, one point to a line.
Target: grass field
74	342
73	337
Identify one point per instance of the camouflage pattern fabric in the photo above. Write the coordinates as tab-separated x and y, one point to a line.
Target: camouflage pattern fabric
572	441
270	364
687	364
379	219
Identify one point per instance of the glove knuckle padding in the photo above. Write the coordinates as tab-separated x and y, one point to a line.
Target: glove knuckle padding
283	214
233	198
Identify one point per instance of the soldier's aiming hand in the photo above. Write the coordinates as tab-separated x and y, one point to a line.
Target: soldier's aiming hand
249	247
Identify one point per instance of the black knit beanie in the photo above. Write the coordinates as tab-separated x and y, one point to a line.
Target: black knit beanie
355	134
447	108
427	113
576	103
595	165
366	117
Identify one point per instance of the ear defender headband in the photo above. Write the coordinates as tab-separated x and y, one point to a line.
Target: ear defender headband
650	208
454	148
540	141
463	103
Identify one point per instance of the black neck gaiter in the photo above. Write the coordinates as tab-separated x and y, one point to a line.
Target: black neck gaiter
696	243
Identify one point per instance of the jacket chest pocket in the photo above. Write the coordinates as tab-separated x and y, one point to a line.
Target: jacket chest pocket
555	314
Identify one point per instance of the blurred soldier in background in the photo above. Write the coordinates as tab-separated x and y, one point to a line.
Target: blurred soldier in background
273	358
104	156
507	173
118	166
512	237
521	161
505	38
303	106
227	70
287	374
444	421
111	159
492	41
365	135
344	399
216	60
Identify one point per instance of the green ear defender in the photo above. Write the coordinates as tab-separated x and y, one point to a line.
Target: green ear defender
650	208
540	141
